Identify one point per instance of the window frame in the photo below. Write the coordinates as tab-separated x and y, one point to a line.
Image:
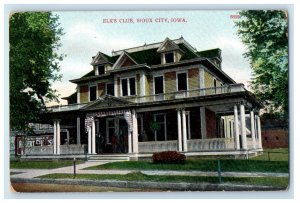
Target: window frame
165	124
93	85
153	87
171	52
110	83
187	80
103	69
128	86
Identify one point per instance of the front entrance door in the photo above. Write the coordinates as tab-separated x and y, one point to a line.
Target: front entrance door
116	135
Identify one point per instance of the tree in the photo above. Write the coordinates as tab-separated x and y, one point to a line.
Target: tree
265	34
34	38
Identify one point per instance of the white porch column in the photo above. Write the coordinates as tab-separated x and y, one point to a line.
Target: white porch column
58	137
89	140
252	129
93	137
259	131
54	137
243	127
203	122
179	130
236	128
129	139
134	133
78	130
184	134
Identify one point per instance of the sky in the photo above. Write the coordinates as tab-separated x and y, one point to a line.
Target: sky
86	34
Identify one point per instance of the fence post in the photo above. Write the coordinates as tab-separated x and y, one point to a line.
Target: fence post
74	163
219	171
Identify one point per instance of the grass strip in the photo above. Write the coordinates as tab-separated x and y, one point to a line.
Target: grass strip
201	165
41	164
137	176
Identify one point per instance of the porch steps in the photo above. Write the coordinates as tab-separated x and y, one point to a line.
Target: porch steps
108	158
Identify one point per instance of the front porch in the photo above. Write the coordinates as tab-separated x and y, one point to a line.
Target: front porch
222	123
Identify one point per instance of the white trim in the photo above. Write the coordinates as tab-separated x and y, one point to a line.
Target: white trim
165	124
187	80
116	86
78	94
187	114
164	57
142	84
121	60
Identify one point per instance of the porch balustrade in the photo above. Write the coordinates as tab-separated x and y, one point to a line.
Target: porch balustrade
188	94
70	107
193	145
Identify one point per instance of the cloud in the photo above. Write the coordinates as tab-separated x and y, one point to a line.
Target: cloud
80	42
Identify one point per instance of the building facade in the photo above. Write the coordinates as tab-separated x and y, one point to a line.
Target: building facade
156	97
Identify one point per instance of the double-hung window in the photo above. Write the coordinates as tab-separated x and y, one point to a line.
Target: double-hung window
182	81
110	89
159	85
93	93
128	86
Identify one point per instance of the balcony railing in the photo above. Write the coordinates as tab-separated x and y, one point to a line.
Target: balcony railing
70	107
163	97
188	94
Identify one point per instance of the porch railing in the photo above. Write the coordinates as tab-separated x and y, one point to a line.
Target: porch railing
187	94
163	97
70	107
193	145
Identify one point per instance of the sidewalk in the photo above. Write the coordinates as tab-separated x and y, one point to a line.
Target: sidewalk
33	173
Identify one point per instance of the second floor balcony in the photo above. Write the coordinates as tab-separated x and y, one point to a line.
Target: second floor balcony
226	89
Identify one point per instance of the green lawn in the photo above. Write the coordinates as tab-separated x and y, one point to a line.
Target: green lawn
277	154
137	176
202	165
41	164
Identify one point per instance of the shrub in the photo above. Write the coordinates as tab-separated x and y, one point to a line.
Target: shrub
168	157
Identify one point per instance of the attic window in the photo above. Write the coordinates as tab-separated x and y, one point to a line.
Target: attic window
169	57
101	70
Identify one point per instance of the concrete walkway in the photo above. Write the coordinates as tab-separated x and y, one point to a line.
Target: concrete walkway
33	173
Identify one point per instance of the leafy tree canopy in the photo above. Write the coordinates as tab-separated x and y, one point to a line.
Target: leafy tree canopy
265	34
34	38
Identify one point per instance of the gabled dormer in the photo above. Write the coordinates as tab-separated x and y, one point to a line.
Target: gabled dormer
124	60
101	63
169	52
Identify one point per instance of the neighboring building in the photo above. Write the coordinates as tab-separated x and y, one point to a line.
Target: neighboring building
274	133
156	97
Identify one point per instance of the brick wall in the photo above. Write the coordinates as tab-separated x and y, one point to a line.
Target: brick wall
211	126
101	89
170	82
276	137
193	78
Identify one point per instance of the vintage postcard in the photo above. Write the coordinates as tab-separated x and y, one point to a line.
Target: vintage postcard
155	101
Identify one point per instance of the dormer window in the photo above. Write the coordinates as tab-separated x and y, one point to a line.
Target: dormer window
101	69
169	57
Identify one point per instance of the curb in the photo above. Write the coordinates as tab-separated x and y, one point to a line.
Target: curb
183	186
